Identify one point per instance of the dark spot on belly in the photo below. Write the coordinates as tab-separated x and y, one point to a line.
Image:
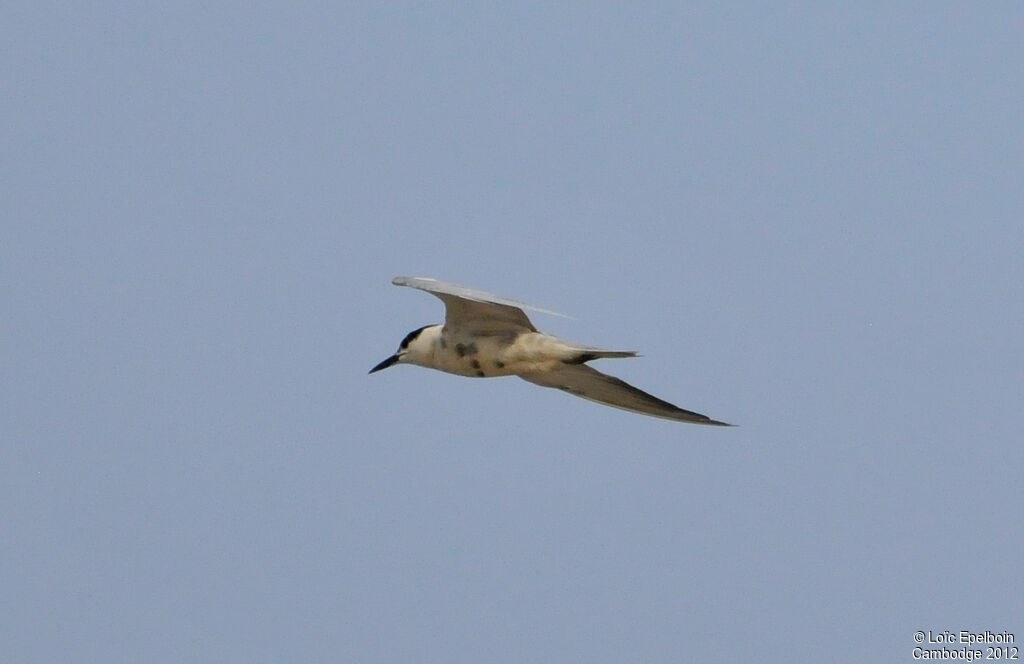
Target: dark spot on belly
499	364
463	350
444	344
476	364
480	374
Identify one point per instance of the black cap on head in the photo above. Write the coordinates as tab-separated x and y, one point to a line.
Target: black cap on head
402	346
409	337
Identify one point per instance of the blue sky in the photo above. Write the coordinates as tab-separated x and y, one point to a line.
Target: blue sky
806	217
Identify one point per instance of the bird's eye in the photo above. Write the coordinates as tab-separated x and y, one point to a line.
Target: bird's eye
409	337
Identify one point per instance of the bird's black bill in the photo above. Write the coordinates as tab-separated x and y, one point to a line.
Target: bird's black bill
385	364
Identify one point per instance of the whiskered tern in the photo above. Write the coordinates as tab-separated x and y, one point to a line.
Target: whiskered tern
484	335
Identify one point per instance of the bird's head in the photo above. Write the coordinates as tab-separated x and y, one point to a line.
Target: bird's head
416	348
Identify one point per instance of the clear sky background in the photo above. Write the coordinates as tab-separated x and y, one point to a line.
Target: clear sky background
806	216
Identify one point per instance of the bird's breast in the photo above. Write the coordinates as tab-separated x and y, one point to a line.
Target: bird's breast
481	355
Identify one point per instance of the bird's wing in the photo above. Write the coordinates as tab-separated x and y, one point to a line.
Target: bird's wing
583	381
466	306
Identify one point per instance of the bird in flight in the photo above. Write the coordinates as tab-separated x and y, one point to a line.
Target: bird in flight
484	335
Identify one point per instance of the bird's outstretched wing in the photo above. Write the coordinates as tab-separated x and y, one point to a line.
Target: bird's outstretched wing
583	381
469	307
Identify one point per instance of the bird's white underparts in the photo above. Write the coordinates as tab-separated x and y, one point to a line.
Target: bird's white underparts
484	335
